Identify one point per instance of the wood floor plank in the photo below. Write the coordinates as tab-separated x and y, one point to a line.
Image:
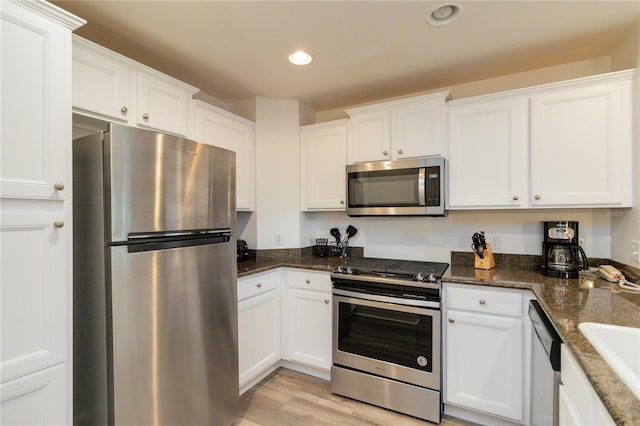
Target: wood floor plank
290	398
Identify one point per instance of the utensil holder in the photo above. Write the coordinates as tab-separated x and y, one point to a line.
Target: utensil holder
321	249
487	261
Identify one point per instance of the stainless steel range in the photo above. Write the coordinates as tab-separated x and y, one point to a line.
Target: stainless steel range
386	334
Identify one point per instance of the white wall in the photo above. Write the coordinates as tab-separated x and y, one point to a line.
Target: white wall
277	173
433	238
626	226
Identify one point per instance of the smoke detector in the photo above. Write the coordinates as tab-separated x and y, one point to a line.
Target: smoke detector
444	14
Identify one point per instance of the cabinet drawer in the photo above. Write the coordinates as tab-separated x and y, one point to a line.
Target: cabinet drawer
309	280
484	300
257	284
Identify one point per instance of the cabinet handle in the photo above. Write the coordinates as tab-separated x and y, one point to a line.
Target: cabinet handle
58	223
145	116
58	186
482	301
342	202
124	110
326	301
451	320
515	198
308	281
385	153
537	197
400	151
259	285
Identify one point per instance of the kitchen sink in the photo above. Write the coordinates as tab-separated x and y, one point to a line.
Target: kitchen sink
620	347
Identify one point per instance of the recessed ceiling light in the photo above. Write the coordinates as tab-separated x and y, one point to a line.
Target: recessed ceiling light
300	58
444	14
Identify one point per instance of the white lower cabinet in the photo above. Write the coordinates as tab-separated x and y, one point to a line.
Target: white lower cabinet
579	402
259	324
486	347
36	399
308	318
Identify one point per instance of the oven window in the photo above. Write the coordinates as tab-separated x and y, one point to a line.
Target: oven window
388	188
387	335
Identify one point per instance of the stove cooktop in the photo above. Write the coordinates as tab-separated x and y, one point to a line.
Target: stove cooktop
393	268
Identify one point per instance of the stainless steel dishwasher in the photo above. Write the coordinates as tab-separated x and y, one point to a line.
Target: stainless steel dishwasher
545	368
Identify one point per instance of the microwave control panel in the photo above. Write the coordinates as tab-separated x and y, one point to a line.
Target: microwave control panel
432	186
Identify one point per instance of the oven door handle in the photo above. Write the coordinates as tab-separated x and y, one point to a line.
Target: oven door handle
386	299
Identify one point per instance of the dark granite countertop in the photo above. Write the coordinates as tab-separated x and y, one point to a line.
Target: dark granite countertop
567	303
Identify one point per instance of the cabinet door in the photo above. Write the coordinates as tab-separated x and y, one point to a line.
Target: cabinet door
580	146
309	322
235	134
484	363
370	136
323	160
100	83
36	399
33	295
567	413
35	103
487	160
162	105
258	334
417	130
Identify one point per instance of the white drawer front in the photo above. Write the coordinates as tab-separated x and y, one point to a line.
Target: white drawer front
310	280
484	300
258	284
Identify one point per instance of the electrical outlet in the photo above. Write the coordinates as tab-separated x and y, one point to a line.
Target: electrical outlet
496	241
278	239
634	251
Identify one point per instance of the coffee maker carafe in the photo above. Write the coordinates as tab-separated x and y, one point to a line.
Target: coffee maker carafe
562	256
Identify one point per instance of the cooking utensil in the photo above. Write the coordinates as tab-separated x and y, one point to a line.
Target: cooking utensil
335	233
351	231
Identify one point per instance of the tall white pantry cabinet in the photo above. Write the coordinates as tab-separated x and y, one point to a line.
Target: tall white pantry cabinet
35	214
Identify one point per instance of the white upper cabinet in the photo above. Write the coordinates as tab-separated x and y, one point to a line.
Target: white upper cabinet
487	153
581	144
323	156
218	127
394	130
100	82
565	144
35	91
162	104
110	86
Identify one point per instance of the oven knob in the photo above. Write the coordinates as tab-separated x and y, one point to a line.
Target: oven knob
419	277
340	269
422	361
432	278
349	270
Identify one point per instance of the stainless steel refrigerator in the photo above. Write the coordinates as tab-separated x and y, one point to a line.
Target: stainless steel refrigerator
155	299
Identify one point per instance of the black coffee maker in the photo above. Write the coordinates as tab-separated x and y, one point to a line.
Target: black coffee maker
562	256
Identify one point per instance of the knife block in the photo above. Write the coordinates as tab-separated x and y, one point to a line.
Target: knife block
488	261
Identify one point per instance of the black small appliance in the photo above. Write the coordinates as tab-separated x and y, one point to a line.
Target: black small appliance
562	256
242	251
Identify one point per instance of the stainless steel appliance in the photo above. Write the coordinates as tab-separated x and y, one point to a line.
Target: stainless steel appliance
561	252
155	299
386	334
396	188
545	364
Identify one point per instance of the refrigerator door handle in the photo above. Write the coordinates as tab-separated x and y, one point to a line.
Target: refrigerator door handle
194	233
153	244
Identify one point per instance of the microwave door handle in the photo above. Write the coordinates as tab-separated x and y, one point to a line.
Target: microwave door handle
421	178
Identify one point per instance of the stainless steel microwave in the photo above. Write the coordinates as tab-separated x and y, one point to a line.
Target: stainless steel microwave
396	188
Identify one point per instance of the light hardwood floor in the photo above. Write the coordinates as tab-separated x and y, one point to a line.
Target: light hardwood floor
288	398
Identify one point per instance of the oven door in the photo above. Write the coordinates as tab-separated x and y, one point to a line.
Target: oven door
387	339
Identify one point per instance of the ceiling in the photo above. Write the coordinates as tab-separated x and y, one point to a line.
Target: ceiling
363	50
